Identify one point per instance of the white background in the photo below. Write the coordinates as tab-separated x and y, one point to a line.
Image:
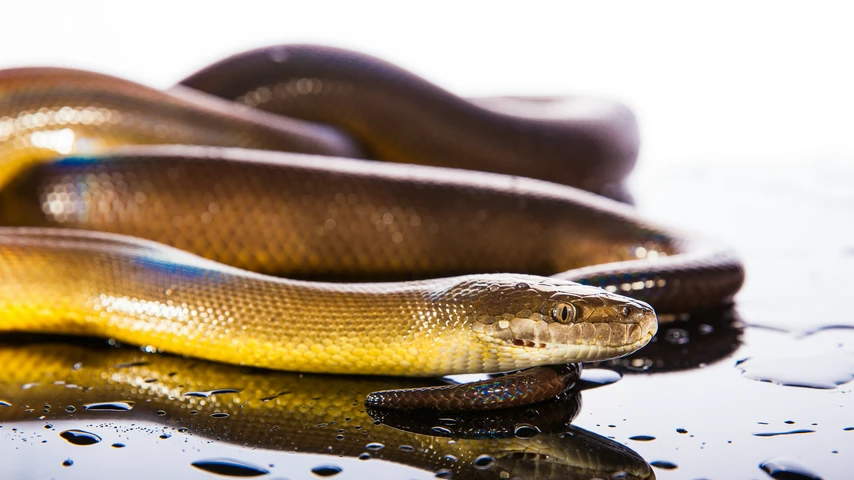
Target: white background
726	81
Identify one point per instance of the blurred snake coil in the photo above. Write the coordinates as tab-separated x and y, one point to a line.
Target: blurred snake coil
312	209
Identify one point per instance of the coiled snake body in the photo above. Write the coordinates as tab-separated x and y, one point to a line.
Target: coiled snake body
68	262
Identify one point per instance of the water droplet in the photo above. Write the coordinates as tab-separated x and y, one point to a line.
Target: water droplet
231	468
790	432
208	393
67	462
596	377
70	409
219	415
483	462
522	286
48	426
407	448
77	366
273	397
122	406
165	436
641	364
664	465
444	473
493	288
681	430
182	430
821	371
118	445
374	446
785	469
523	430
327	470
365	456
642	438
442	431
848	429
705	328
4	403
677	336
160	413
131	364
80	437
450	458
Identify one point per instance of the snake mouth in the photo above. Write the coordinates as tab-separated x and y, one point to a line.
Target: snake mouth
579	342
561	353
614	334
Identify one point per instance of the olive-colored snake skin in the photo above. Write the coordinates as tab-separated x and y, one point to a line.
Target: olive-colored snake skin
313	218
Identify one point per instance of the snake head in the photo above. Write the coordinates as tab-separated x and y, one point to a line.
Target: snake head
535	321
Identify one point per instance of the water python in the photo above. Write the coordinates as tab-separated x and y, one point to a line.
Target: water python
99	242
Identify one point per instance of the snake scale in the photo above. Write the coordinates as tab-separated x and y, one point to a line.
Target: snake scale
286	412
226	228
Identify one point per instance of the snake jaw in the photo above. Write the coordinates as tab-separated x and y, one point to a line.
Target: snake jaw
532	328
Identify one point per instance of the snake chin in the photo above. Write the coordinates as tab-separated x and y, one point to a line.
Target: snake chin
561	353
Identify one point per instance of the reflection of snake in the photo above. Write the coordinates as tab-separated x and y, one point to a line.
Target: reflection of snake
308	414
314	217
687	342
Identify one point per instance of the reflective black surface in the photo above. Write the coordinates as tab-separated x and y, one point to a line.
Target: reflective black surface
712	397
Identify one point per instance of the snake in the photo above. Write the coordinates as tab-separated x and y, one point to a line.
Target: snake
224	219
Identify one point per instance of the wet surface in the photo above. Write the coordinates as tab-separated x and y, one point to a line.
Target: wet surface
321	428
761	390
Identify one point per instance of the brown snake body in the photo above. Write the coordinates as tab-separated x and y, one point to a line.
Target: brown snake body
435	232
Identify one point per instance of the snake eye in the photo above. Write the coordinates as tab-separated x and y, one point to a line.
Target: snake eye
626	311
564	312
